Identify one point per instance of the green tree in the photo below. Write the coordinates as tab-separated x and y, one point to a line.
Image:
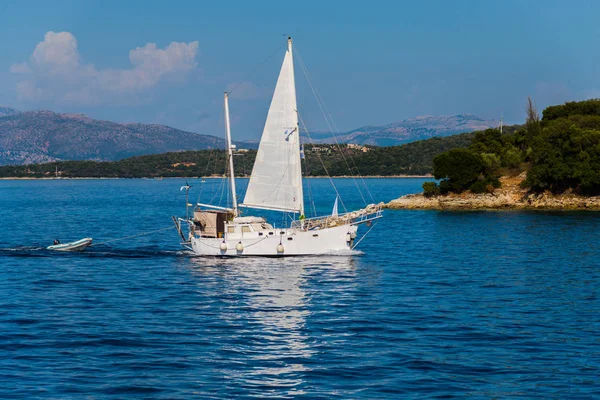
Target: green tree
587	107
565	156
532	122
430	189
459	168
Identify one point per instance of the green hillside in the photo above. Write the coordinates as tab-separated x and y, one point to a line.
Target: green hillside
410	159
559	153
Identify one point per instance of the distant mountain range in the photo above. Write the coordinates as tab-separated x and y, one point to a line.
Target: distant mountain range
5	111
408	130
33	137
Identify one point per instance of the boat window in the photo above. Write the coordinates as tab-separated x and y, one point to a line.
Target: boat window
260	233
290	238
270	233
245	229
282	233
316	235
231	229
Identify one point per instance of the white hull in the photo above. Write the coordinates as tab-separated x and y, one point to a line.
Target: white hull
79	245
295	242
275	185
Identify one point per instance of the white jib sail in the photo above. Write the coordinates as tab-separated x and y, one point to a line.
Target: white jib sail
334	212
276	180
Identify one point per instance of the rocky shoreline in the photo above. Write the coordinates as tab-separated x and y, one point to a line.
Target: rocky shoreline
27	178
509	196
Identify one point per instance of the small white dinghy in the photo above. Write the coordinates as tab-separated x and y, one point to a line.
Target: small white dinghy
78	245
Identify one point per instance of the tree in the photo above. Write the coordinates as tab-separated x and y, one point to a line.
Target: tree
565	156
587	107
459	168
532	122
430	189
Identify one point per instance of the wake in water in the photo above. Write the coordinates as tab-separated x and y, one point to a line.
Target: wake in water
107	251
99	251
23	251
22	248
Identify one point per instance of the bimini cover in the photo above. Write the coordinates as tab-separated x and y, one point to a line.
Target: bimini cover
249	220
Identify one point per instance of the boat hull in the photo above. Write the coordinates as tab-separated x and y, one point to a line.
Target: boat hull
294	242
78	245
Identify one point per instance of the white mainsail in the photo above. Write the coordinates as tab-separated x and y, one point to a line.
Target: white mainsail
276	180
275	184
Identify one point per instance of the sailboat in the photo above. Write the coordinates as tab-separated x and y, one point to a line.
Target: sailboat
275	185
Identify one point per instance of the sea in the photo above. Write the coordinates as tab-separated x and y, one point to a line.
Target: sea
431	305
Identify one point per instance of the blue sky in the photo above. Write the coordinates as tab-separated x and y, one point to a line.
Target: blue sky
373	62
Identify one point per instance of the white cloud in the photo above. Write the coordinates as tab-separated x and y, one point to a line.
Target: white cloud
20	68
55	71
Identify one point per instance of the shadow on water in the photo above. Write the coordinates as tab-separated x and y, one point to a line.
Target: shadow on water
136	252
91	252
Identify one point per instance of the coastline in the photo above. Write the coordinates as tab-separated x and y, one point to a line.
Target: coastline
509	197
210	177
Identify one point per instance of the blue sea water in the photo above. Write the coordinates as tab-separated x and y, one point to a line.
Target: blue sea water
436	305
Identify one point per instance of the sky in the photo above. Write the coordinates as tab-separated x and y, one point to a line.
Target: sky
372	62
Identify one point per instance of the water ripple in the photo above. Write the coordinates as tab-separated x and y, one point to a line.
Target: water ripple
441	305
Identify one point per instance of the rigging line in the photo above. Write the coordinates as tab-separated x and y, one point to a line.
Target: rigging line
212	150
257	68
365	235
133	236
223	182
277	186
258	241
228	190
324	109
216	174
323	164
206	170
205	242
330	122
308	186
215	188
349	154
319	102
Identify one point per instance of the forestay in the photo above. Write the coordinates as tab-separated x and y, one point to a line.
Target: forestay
276	180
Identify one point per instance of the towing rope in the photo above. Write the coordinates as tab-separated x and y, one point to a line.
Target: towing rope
133	236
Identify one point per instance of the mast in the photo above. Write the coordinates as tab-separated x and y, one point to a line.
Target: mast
230	147
289	45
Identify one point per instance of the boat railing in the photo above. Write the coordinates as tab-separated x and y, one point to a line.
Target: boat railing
371	212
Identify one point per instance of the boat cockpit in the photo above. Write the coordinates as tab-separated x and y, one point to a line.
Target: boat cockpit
214	224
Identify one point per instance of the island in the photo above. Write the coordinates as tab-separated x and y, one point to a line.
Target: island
336	160
550	163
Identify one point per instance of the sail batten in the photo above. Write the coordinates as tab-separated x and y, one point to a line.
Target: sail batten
276	179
